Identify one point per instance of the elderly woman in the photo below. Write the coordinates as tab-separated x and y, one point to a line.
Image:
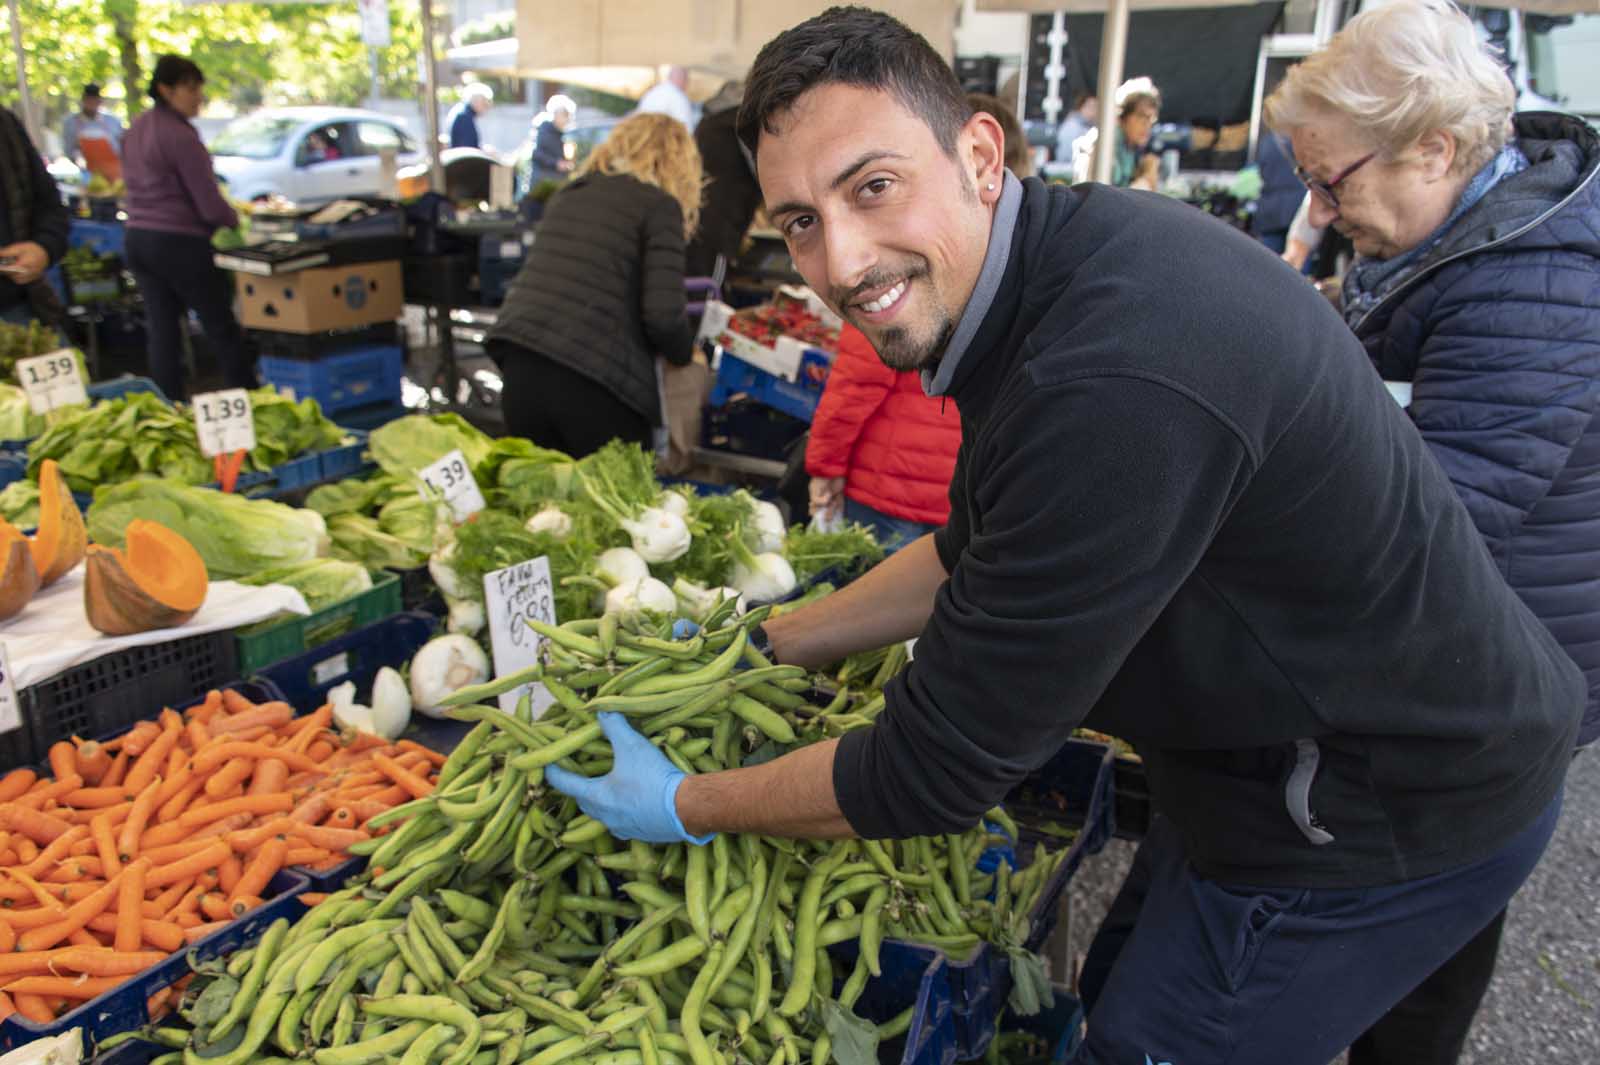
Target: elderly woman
1478	290
1138	104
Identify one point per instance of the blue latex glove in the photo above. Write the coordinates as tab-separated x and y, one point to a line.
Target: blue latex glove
638	798
683	629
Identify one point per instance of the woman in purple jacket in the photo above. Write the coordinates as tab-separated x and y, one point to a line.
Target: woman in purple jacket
174	206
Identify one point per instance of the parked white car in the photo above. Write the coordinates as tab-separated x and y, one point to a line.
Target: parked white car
310	155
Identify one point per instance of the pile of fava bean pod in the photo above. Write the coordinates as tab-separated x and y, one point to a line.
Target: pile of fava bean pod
497	924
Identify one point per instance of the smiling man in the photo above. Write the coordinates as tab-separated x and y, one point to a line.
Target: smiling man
1185	511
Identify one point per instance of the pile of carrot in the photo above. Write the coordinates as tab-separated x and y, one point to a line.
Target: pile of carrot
133	848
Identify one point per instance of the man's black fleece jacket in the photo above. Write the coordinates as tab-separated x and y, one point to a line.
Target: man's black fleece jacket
1187	512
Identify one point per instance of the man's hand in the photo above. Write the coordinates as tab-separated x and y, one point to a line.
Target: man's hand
827	496
638	799
28	263
1148	175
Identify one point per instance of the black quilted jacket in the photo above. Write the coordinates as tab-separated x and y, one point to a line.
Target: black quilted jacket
601	291
1498	330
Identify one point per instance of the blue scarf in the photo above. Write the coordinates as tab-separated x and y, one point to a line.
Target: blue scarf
1368	281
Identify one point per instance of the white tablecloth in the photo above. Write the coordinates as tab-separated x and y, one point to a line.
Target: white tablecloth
53	634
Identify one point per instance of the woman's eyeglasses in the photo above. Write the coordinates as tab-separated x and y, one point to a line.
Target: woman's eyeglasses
1325	189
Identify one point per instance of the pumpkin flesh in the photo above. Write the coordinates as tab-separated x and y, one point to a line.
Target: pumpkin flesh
158	582
62	539
19	577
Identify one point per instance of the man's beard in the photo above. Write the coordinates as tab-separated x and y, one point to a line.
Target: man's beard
898	350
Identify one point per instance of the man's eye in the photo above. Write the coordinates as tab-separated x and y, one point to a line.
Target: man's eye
796	226
877	186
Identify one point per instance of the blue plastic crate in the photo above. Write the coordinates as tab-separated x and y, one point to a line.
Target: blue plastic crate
1058	1028
798	398
915	977
125	1007
370	417
359	377
346	460
499	259
102	238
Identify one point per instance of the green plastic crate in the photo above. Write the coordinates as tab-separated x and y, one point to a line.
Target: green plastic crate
273	641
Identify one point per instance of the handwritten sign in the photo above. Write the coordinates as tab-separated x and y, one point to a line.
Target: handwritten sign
52	381
511	597
10	705
224	422
452	479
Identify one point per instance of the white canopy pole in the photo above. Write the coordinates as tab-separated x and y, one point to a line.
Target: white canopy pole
430	98
30	117
1113	47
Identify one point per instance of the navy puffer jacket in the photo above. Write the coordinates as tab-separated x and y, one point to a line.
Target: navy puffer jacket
1498	330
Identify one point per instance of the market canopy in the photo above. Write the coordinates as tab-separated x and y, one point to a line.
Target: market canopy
716	39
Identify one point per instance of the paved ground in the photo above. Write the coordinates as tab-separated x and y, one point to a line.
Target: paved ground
1544	1005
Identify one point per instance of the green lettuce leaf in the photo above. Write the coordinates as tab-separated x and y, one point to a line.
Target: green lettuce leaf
323	581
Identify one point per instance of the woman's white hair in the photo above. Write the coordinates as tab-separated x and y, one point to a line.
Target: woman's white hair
1399	72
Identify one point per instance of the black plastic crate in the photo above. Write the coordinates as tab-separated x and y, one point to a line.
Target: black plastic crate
444	280
317	345
746	427
114	691
1132	798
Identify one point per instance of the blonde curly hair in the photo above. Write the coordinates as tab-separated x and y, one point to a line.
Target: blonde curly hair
657	150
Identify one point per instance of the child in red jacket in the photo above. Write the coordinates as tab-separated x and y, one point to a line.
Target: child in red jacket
881	447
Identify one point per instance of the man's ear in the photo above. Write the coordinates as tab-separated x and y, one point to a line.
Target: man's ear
1436	153
983	155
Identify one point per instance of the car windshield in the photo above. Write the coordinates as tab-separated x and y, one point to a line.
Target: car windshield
1561	63
257	136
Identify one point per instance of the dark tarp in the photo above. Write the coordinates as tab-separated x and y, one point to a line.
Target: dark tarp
1202	59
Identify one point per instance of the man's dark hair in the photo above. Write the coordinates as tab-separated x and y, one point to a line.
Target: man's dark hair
173	71
91	91
1081	97
853	46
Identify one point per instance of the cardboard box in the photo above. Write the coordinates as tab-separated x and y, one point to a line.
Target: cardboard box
326	297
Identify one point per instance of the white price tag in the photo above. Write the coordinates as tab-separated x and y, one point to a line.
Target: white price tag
224	422
452	478
52	381
715	320
10	706
512	596
330	668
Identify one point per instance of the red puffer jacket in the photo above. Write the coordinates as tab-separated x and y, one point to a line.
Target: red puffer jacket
895	447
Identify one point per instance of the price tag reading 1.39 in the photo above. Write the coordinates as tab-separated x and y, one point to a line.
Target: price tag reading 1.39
452	479
52	381
223	422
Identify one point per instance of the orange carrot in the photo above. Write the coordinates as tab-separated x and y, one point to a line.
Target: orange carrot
138	818
55	850
139	738
319	751
8	856
33	1008
77	988
230	777
215	906
246	804
119	769
331	839
419	787
106	962
218	753
179	802
41	828
77	915
228	874
177	777
153	759
8	937
63	758
268	860
93	761
312	810
198	734
308	855
7	1007
208	708
41	794
89	867
233	702
274	715
196	933
271	775
27	850
208	857
163	903
97	798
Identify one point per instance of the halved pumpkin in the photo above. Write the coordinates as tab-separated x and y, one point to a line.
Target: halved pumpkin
19	577
157	582
59	544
